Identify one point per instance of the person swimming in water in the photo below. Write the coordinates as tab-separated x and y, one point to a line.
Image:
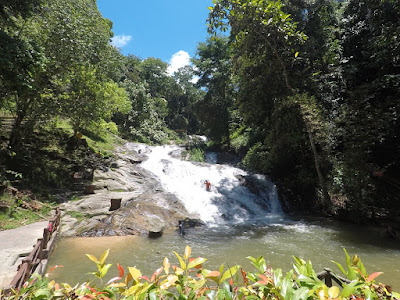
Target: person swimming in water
208	185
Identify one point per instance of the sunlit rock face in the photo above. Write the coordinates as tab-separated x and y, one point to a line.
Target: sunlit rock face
157	190
145	208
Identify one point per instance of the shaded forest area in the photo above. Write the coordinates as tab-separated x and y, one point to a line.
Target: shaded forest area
304	91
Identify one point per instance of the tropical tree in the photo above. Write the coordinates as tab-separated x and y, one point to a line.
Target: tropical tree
88	100
213	66
70	36
265	58
369	112
182	106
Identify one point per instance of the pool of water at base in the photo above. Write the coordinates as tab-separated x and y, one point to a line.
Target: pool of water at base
319	241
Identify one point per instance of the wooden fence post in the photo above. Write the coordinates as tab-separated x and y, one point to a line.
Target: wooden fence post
46	236
26	273
328	278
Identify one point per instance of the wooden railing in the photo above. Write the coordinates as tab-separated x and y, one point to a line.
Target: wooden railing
39	252
329	276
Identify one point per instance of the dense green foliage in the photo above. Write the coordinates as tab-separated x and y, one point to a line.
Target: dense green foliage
57	66
190	280
317	90
305	91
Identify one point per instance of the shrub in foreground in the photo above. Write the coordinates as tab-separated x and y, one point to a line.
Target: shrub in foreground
190	280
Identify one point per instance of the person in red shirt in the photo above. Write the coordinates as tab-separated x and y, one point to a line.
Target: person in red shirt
208	185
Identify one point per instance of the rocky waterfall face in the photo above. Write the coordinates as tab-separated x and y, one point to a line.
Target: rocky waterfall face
235	197
156	190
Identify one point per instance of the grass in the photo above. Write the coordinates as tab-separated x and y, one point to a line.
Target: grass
77	215
99	139
16	216
103	142
74	198
118	190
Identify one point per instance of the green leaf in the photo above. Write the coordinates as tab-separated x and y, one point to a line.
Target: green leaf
182	263
348	259
132	290
369	295
362	268
278	277
296	54
396	295
305	279
301	294
287	289
136	274
351	274
340	267
196	262
153	295
221	268
104	256
225	292
299	261
348	289
103	271
42	294
251	258
229	273
92	258
188	251
199	284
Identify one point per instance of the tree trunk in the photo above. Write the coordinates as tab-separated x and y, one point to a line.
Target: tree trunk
15	137
325	194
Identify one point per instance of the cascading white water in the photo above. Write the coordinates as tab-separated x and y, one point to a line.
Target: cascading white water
230	200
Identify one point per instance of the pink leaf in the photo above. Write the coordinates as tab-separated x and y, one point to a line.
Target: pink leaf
373	276
213	274
113	279
145	278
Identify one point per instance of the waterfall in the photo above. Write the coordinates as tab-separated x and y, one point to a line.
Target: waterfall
235	198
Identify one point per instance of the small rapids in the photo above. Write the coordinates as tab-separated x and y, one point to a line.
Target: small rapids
236	197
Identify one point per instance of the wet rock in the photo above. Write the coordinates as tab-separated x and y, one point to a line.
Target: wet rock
157	228
145	208
249	183
176	153
188	223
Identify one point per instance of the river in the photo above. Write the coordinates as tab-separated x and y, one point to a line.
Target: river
243	218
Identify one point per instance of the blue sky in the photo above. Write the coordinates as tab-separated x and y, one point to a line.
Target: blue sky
165	29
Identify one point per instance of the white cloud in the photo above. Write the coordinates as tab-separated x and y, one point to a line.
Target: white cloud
120	40
195	79
178	60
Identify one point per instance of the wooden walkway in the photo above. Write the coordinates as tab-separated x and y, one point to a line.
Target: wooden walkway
15	241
